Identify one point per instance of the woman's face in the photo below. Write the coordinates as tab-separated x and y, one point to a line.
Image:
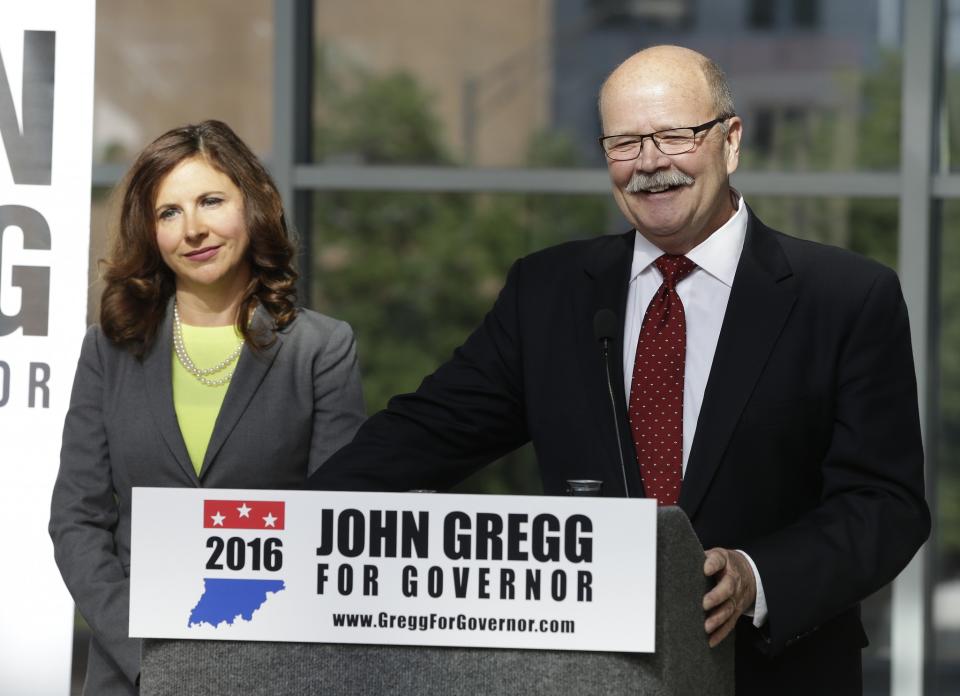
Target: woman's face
201	230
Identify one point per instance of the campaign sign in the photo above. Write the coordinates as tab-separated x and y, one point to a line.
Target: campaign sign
46	129
394	568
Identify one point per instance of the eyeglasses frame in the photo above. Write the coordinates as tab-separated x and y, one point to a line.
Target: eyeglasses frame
696	130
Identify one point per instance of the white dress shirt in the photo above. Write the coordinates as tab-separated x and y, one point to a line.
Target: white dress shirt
704	294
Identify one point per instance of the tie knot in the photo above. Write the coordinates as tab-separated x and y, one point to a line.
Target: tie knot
674	268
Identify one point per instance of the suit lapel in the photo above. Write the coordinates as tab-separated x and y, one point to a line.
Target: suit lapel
761	298
252	367
608	272
157	371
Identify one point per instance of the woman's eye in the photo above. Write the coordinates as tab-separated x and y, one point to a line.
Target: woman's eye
168	213
211	201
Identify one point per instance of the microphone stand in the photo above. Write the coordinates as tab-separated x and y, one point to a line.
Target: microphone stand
604	324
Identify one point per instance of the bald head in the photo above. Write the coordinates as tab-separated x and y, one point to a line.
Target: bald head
673	67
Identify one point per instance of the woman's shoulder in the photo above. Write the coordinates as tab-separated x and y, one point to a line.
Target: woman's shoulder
96	340
317	327
100	353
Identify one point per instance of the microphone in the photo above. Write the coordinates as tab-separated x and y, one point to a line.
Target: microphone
605	326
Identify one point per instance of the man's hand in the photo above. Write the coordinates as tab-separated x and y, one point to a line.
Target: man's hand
734	593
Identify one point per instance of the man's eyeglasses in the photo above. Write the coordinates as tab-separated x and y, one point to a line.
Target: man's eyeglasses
672	141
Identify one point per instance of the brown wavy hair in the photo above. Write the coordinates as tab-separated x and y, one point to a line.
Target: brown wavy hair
138	282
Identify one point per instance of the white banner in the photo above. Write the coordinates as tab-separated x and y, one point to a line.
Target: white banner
394	568
46	126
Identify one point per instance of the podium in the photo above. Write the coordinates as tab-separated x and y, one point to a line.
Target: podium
683	663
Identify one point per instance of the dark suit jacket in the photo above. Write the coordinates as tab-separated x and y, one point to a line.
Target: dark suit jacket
286	410
807	453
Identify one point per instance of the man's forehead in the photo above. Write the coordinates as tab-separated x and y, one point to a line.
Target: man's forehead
657	79
655	104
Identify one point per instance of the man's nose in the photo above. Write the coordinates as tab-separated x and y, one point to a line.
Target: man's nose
650	158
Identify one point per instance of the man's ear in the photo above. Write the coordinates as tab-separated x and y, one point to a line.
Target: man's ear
731	144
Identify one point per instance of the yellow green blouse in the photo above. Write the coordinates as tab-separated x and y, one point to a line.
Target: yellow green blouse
197	405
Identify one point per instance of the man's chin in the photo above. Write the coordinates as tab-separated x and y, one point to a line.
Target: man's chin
655	233
663	226
670	238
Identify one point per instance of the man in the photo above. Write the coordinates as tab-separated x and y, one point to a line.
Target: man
782	367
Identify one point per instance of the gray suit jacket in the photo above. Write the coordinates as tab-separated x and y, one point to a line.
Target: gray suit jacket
286	410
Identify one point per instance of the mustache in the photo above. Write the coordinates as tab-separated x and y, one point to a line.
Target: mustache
663	178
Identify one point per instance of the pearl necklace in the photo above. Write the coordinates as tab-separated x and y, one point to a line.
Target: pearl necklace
202	375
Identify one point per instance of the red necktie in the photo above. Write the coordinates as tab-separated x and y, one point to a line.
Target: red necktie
656	393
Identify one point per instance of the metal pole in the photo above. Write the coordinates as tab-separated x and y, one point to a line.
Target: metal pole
293	119
921	55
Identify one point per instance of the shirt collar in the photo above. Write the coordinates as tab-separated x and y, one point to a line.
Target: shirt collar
718	254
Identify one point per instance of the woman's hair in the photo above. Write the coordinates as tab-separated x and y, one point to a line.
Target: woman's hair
139	283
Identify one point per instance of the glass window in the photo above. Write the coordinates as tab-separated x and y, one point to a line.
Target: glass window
498	85
950	154
415	273
473	79
762	14
806	13
867	226
161	65
101	207
675	14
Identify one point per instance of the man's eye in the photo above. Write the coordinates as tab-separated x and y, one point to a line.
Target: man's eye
675	136
625	144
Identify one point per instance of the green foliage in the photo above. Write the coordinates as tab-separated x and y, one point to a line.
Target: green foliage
873	229
879	122
388	120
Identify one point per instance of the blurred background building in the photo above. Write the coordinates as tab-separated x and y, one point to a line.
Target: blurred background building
422	146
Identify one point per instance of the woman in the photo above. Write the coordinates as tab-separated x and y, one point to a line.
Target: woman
201	373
